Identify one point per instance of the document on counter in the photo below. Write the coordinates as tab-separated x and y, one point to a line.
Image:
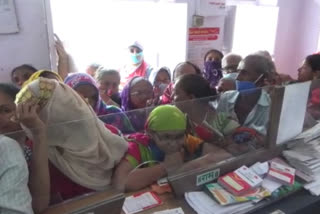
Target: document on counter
204	204
171	211
140	202
270	185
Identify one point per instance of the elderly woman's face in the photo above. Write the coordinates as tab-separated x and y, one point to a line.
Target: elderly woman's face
109	83
141	93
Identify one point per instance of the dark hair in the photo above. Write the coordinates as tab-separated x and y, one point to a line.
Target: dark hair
195	85
213	51
196	68
9	89
314	62
24	67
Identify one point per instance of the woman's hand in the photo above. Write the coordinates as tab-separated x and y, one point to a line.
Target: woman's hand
104	95
63	62
26	114
62	54
173	161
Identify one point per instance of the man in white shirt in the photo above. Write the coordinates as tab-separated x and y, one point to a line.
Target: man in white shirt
15	197
250	103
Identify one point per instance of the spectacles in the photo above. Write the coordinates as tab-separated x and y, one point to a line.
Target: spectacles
135	50
170	136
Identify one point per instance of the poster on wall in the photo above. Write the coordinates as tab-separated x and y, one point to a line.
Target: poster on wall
200	40
8	18
211	7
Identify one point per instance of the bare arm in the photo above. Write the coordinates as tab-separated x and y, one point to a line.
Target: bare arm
131	179
63	61
125	177
107	100
211	154
39	181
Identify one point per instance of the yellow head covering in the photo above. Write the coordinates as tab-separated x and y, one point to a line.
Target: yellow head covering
39	74
166	118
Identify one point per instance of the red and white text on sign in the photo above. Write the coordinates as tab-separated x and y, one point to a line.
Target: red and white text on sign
203	34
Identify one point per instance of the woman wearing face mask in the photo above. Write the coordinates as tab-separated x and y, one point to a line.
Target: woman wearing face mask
212	67
160	79
249	104
163	148
108	81
137	67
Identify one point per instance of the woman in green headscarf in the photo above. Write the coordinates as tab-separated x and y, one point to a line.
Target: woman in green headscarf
165	142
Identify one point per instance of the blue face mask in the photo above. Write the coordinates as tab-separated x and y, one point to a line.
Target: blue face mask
247	87
136	58
244	85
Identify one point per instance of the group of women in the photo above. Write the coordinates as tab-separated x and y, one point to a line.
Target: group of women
81	134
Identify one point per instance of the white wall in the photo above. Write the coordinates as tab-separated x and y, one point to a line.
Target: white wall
297	33
30	45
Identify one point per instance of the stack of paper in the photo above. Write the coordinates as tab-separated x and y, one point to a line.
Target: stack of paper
313	187
307	135
204	204
306	158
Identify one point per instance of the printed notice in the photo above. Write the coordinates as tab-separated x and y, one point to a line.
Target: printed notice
8	18
140	202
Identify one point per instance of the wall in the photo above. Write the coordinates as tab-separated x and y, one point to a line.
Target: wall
30	45
297	33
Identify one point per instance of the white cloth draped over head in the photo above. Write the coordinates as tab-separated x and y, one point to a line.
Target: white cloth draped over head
79	145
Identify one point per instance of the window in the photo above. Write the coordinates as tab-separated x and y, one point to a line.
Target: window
255	29
100	30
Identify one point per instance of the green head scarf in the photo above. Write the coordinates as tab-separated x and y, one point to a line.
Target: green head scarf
166	118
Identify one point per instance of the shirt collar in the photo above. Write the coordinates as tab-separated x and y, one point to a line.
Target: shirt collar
264	99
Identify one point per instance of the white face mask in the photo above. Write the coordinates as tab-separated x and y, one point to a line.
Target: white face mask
162	87
230	75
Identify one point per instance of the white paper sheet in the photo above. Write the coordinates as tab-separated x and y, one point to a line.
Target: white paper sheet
270	185
260	168
293	111
171	211
134	204
8	18
204	204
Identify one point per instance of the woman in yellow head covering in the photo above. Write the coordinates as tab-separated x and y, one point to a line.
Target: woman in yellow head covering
45	74
78	143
